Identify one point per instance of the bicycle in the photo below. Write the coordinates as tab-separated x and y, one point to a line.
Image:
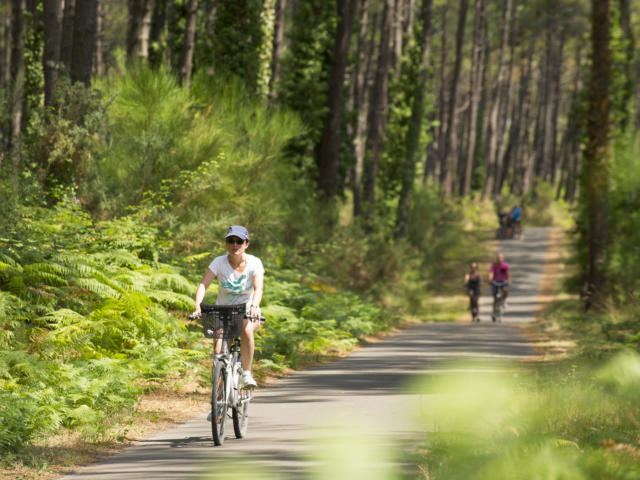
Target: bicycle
498	301
503	231
224	323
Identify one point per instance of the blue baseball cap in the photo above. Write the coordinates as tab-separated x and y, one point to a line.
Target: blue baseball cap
237	231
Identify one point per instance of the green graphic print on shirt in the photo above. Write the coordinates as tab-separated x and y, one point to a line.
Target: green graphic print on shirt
236	286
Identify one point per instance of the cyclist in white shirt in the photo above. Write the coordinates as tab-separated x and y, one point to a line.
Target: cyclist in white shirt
240	279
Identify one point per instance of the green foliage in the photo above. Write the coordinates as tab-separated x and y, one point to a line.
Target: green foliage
187	152
32	56
60	144
402	93
566	423
310	320
83	323
169	136
624	208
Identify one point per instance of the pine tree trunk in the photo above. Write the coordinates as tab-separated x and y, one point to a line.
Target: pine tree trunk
507	107
328	156
512	152
278	40
156	34
18	8
378	110
439	134
523	179
189	43
596	169
564	159
398	36
557	100
173	17
638	91
415	125
138	29
66	45
538	138
547	144
448	160
630	54
475	93
361	106
99	47
494	124
51	49
572	184
5	75
84	34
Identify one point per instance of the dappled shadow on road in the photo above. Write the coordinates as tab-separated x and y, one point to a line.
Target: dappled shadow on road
183	458
389	366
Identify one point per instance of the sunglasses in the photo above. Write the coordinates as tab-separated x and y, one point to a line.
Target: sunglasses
237	241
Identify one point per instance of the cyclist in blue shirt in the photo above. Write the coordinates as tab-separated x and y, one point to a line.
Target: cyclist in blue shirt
515	218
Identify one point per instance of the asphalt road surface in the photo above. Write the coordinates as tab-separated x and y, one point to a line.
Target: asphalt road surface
349	418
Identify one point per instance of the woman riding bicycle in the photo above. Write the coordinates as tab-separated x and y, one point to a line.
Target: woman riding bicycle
240	279
499	276
472	282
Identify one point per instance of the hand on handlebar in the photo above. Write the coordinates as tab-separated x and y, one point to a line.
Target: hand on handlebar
194	316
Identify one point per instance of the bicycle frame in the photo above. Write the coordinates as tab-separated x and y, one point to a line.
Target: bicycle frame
498	302
230	358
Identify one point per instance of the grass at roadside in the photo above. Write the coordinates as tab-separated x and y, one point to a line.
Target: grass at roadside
572	415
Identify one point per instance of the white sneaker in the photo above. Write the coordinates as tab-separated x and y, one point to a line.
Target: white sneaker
248	381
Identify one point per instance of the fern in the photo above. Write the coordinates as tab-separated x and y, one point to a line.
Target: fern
172	299
172	281
120	258
95	286
39	274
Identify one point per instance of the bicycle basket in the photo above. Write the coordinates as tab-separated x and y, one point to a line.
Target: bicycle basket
222	319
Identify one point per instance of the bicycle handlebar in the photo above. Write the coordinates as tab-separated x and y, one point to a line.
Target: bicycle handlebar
196	316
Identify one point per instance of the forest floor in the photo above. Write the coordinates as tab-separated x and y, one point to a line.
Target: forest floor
160	410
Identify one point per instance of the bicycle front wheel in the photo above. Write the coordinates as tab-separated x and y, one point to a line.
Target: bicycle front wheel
219	403
499	308
240	413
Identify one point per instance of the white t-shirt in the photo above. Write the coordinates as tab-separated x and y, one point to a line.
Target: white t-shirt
235	287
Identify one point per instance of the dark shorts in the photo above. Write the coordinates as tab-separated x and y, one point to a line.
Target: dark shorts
475	289
496	285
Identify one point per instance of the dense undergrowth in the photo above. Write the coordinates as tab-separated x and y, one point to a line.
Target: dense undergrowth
95	312
102	246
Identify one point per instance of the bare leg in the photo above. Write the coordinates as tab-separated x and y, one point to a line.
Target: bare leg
472	305
247	344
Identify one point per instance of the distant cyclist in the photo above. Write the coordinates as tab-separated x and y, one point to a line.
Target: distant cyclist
499	276
240	279
515	219
472	283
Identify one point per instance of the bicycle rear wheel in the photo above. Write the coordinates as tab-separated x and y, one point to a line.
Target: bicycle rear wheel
219	403
499	308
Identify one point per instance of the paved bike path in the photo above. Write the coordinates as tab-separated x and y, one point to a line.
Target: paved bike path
368	391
